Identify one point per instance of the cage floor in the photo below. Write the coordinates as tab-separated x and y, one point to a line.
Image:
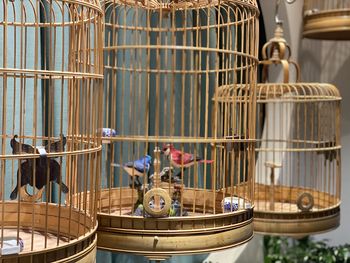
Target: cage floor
278	207
127	212
38	238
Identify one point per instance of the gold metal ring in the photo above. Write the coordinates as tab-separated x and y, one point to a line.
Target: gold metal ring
163	194
309	204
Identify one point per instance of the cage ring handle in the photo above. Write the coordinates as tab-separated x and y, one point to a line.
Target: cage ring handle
309	204
162	194
278	49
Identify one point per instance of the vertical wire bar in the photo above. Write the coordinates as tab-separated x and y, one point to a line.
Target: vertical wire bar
182	123
235	110
248	101
320	174
132	105
48	132
4	120
311	154
298	143
88	113
206	94
108	108
220	29
172	103
122	102
88	163
196	57
148	79
14	86
113	90
200	75
22	99
242	115
35	113
287	172
61	123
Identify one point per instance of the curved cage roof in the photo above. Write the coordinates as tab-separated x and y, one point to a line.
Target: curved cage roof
178	4
296	92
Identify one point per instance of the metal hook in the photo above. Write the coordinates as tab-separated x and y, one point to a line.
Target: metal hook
278	2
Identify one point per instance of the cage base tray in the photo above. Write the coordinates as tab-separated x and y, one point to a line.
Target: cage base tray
285	218
42	242
328	25
159	238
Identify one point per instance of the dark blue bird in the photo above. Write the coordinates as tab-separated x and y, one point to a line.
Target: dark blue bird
137	168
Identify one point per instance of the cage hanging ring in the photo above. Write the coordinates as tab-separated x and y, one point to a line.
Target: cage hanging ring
305	207
163	194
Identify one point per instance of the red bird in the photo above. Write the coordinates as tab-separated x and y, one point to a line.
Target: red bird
181	159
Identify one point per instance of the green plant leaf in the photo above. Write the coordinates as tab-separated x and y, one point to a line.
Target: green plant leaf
287	250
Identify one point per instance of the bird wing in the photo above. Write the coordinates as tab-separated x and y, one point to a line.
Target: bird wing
57	146
18	147
137	168
180	157
141	165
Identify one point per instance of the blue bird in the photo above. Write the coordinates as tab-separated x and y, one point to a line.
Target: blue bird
137	168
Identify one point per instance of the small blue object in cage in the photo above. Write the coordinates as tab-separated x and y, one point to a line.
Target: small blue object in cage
230	204
108	132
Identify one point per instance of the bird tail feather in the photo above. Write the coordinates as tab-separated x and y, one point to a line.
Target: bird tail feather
64	188
115	165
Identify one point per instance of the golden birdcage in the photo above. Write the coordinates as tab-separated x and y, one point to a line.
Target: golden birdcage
297	189
327	19
51	85
173	181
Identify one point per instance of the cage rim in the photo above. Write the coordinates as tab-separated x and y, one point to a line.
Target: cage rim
177	29
94	141
50	74
251	4
319	211
176	139
244	18
177	218
323	12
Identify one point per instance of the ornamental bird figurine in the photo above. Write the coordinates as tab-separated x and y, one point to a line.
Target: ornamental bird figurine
44	166
137	168
41	173
55	146
165	174
181	159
